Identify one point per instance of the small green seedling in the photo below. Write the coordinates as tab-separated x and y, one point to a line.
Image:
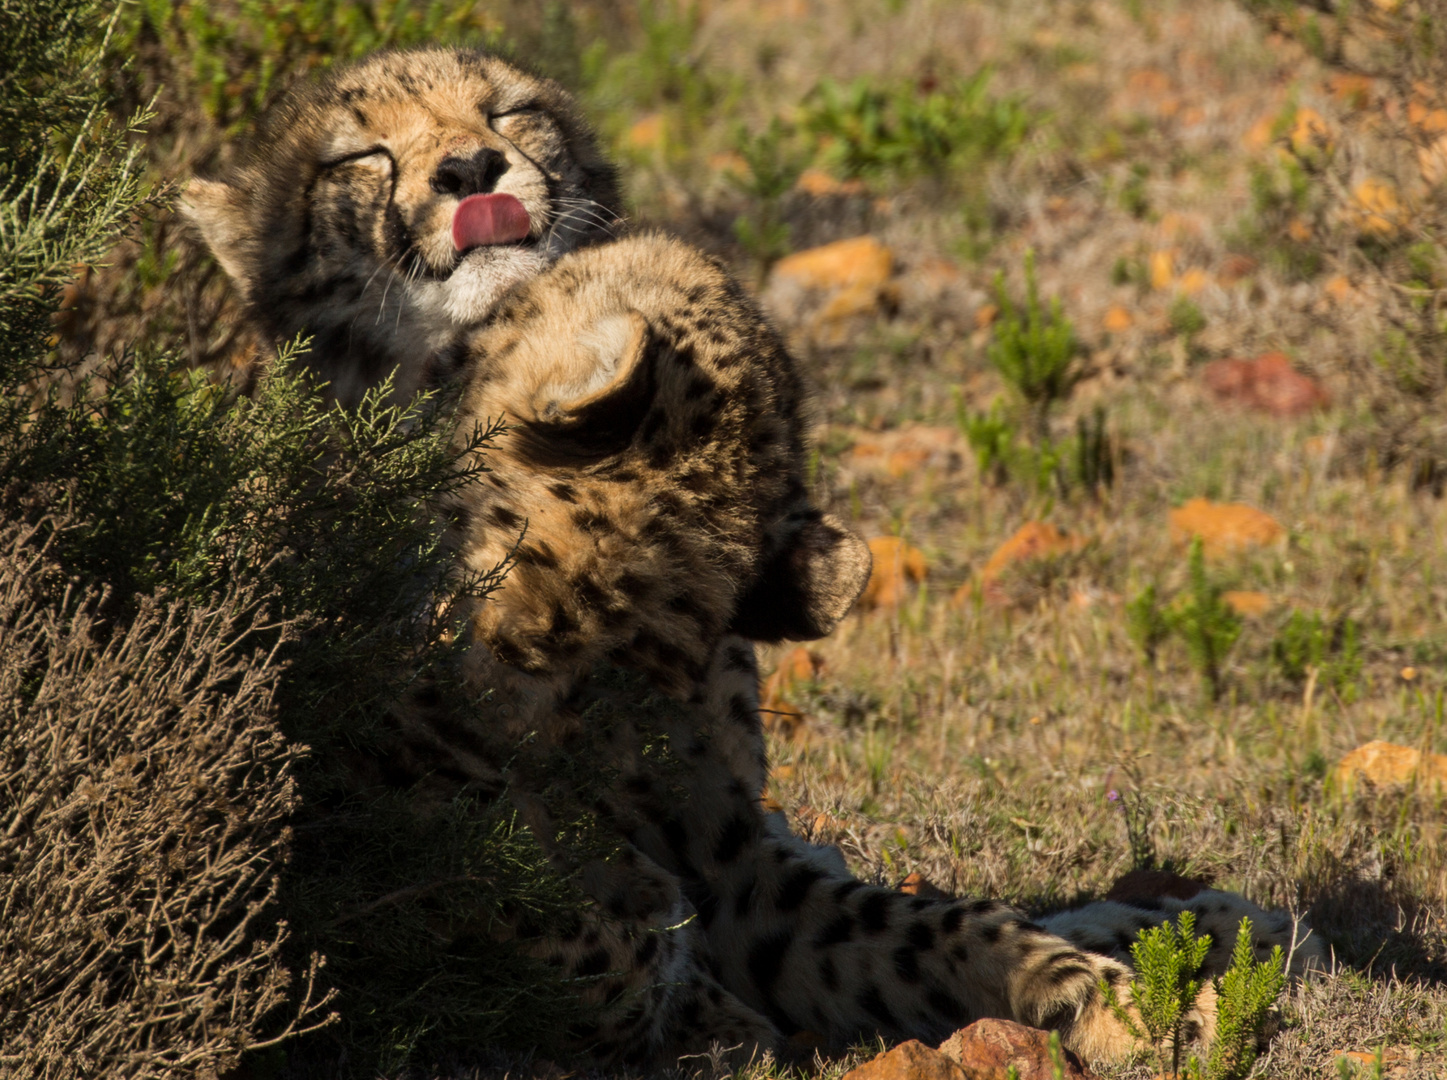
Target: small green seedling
1167	959
1035	351
1205	623
1245	996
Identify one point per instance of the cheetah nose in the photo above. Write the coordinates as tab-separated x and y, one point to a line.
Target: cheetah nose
462	176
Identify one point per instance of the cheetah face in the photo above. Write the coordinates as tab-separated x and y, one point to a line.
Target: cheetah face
387	208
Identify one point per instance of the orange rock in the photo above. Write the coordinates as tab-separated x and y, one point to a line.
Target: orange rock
912	1060
906	451
800	665
1339	288
646	133
783	719
1117	319
862	261
1163	268
1258	135
1386	764
820	184
919	885
1396	1061
985	316
1375	208
1427	118
1350	90
729	161
1246	603
1033	540
1309	131
1224	527
895	564
992	1049
1152	885
1268	384
1432	160
1192	281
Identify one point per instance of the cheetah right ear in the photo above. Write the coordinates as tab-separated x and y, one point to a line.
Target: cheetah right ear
220	213
592	410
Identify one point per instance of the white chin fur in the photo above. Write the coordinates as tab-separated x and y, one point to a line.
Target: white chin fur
483	276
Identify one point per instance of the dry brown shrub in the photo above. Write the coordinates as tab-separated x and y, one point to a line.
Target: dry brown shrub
144	800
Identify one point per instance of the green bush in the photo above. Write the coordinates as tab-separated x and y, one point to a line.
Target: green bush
864	129
209	604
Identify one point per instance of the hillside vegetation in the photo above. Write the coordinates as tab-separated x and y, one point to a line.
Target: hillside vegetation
1102	260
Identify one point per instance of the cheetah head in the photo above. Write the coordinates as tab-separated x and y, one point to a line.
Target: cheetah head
393	203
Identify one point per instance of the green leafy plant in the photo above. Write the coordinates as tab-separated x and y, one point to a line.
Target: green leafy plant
1307	643
1245	996
1035	351
1165	989
770	172
1167	959
1204	622
1146	623
864	129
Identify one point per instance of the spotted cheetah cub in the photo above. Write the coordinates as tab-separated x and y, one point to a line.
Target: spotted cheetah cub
437	215
649	494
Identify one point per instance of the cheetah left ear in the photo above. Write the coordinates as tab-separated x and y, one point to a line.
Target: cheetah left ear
592	407
808	586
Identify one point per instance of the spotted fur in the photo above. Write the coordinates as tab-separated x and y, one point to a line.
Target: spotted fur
649	496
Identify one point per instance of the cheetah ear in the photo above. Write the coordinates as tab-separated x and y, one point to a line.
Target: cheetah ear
592	410
807	587
219	212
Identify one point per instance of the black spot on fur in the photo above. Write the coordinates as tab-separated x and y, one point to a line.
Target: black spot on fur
874	912
766	960
839	929
844	888
744	900
990	934
731	841
595	963
829	975
950	924
948	1007
872	1002
742	712
795	889
906	964
921	937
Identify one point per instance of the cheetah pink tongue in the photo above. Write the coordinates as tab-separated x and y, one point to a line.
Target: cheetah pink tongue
488	219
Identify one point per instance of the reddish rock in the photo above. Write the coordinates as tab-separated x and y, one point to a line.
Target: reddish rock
911	1061
1267	384
919	885
987	1049
1152	885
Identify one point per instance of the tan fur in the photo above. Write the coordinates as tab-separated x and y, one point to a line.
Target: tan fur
648	495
